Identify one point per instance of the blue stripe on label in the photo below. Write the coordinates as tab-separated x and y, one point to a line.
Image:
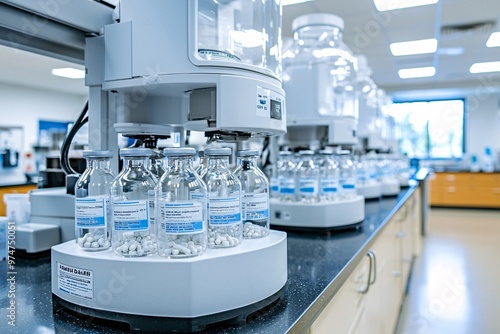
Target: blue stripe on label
348	186
287	191
307	190
329	190
225	219
257	214
181	227
139	225
86	222
274	188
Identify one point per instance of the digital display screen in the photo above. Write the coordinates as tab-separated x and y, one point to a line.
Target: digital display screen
276	110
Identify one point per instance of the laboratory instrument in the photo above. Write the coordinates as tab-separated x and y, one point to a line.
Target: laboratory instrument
319	77
154	67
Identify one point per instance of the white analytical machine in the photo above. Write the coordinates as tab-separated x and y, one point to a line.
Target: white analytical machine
154	66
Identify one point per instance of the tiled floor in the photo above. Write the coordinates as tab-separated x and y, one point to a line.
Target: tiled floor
455	284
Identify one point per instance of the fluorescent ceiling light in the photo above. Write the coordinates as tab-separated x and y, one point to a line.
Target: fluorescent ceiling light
494	40
417	72
383	5
414	47
292	2
492	66
68	72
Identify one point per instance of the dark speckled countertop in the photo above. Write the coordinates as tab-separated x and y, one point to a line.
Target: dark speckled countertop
318	264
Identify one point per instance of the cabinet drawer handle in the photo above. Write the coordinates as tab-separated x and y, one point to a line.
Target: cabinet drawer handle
367	287
371	253
451	189
450	177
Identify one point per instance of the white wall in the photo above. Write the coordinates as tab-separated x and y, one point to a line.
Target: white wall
20	105
482	124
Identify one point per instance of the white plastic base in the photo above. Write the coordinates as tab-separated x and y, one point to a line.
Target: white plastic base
369	191
318	215
390	188
217	281
403	181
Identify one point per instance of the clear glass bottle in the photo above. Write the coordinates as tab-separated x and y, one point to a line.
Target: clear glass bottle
369	122
307	178
319	71
274	181
255	195
224	200
92	211
132	203
347	176
329	176
286	177
182	207
362	174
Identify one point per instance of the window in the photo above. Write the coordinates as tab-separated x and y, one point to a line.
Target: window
430	129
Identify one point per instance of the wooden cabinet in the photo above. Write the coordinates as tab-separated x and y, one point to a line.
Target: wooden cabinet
13	190
370	299
480	190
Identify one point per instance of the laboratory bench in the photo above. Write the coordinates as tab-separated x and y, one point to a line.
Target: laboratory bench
342	279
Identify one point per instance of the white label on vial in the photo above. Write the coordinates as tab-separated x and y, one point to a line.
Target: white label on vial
255	206
308	186
75	281
131	215
275	184
151	205
182	217
329	186
287	186
224	211
197	196
90	212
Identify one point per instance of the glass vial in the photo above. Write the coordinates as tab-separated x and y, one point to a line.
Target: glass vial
347	177
92	211
286	177
132	203
307	178
329	177
182	207
255	195
224	200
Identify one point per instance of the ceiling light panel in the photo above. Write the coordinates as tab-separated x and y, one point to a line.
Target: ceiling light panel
494	40
292	2
414	47
384	5
491	66
69	72
417	72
